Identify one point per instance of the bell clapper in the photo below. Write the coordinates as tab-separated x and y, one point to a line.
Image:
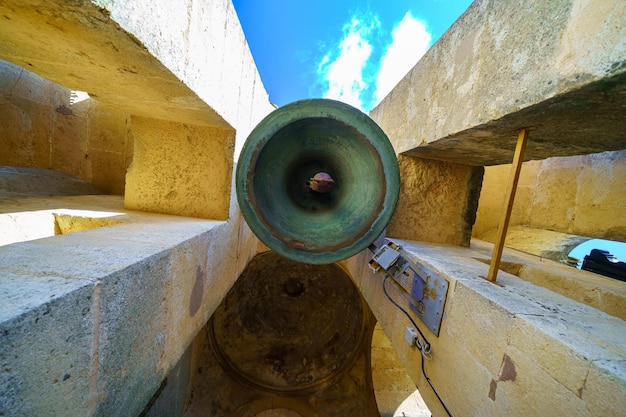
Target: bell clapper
321	182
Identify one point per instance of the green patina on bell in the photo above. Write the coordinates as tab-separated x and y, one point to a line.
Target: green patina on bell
317	181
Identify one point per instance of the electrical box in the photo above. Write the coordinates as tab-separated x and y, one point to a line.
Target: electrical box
428	290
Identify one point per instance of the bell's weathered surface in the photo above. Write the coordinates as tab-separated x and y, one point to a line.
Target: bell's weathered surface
279	194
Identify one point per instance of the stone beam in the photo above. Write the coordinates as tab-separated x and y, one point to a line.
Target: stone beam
79	46
179	78
437	203
92	322
556	67
511	348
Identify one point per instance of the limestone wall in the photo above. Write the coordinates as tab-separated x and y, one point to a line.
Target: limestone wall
556	67
43	126
186	63
93	322
579	195
437	201
513	349
544	339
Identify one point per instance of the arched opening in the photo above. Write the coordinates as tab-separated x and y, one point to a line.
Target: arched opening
604	257
288	338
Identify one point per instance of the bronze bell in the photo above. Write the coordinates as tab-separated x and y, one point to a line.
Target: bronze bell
317	181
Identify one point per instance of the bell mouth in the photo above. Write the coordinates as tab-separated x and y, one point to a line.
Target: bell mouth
276	176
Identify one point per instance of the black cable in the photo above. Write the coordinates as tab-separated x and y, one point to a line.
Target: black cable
434	389
426	342
424	349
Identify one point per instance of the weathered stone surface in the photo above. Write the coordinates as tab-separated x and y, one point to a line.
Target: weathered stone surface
164	275
509	339
437	201
78	45
151	283
541	242
48	129
18	182
95	142
129	322
180	169
110	147
288	335
554	67
395	392
46	328
605	388
600	292
578	195
492	196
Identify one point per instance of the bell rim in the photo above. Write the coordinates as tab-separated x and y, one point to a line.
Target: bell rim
317	108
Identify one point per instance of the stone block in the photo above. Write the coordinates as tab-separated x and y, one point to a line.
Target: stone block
556	195
16	81
548	244
132	336
520	375
130	304
195	287
564	364
483	81
148	303
600	209
525	349
492	197
469	318
25	128
450	380
603	293
437	202
108	171
202	44
46	329
604	391
68	149
77	255
579	195
180	169
106	40
107	128
46	129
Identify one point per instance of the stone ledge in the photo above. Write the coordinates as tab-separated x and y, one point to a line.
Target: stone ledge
525	348
92	47
600	292
554	67
89	316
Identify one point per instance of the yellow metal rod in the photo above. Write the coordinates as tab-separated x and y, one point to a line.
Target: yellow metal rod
522	138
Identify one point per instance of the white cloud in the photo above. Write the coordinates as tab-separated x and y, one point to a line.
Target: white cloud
347	72
410	41
343	72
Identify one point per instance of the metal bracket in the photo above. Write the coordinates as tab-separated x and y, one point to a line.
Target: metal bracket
427	297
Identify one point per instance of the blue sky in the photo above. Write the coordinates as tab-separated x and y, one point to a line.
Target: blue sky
617	249
350	50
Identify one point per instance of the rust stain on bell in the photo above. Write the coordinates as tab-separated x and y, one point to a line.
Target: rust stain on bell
321	182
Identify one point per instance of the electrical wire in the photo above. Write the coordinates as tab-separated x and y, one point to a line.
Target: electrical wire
426	343
424	346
